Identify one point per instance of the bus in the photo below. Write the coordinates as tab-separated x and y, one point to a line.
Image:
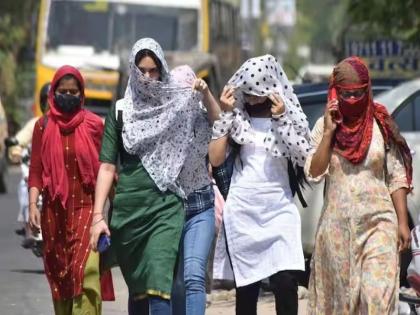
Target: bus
97	36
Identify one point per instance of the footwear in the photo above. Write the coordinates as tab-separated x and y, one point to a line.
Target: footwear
208	300
20	231
28	243
37	248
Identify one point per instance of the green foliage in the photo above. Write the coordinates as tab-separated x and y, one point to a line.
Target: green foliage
10	35
323	25
394	19
320	25
17	21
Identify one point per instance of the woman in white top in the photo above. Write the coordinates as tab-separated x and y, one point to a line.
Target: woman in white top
262	116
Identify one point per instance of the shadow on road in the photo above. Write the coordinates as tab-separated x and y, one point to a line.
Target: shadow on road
31	271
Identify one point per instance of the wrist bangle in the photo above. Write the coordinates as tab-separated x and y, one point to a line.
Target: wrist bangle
93	224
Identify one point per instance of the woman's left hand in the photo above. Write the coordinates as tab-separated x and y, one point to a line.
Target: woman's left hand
278	104
200	85
404	237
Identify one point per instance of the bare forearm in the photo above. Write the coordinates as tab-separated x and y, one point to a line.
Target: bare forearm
213	108
104	183
399	199
322	156
33	195
217	151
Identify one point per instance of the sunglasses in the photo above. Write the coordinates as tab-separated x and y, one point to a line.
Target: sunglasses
352	93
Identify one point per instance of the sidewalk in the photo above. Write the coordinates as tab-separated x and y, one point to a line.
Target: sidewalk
223	301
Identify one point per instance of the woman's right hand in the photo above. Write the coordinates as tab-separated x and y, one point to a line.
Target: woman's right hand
34	218
329	117
96	230
227	99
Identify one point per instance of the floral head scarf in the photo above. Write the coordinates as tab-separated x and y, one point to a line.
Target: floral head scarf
159	120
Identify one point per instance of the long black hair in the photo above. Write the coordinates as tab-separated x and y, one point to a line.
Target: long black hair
43	96
148	53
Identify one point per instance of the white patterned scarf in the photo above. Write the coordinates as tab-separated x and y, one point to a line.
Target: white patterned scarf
195	174
159	120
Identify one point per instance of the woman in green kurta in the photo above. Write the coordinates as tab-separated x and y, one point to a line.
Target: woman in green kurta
144	133
144	220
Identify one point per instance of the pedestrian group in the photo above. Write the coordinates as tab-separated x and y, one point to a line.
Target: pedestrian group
152	164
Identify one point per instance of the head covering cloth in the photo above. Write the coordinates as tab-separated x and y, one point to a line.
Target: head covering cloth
88	133
158	119
354	135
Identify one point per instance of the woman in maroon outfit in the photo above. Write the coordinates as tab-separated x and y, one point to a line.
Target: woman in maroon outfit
64	166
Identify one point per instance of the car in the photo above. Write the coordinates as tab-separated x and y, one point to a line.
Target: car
314	73
403	102
313	98
3	136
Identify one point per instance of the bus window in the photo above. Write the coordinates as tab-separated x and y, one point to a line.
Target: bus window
180	26
120	25
70	18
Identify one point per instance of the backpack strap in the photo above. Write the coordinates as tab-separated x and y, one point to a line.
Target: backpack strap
119	113
294	184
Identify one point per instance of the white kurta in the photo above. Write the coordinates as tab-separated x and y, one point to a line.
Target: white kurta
262	224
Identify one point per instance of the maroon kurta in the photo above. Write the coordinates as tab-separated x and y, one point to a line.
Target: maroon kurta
65	231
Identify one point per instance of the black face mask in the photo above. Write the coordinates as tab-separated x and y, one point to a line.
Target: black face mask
67	103
260	108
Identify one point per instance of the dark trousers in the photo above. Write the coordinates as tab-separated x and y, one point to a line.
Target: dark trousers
151	305
284	286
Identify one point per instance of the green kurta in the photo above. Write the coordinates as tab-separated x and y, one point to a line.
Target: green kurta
146	223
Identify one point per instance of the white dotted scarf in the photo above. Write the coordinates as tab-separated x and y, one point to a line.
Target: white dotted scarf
261	76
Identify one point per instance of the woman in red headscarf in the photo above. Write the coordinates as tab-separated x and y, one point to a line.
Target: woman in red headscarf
363	226
64	166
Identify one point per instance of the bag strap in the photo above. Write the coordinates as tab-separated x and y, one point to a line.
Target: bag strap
119	113
294	184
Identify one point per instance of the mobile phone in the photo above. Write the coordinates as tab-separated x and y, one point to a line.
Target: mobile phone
337	116
103	243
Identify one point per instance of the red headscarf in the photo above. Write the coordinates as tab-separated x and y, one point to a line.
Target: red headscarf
354	135
88	130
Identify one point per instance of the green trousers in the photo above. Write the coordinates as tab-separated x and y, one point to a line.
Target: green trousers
89	302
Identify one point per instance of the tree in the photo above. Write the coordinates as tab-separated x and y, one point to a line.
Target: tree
387	18
16	21
320	25
324	25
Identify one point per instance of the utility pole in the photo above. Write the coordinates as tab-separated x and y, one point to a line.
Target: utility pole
251	33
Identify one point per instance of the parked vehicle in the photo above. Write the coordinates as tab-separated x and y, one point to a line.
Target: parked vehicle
314	73
95	37
403	102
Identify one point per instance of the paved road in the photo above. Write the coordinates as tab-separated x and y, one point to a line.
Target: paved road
24	289
23	286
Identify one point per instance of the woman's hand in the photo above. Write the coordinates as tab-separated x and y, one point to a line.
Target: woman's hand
98	227
227	99
330	113
34	218
404	237
278	104
201	86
